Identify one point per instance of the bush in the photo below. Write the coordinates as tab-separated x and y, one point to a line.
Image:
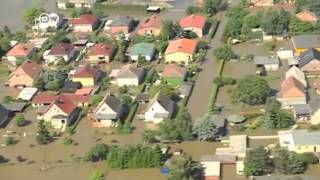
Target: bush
20	120
222	81
97	175
309	158
7	99
97	153
10	141
225	52
67	141
270	46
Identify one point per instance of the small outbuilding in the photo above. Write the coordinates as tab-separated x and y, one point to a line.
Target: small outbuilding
268	63
27	93
236	119
146	50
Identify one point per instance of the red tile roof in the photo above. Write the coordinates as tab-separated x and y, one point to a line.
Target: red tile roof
195	21
86	71
291	87
101	49
307	16
182	45
85	19
64	103
61	49
43	99
77	98
173	70
21	49
84	91
32	69
153	21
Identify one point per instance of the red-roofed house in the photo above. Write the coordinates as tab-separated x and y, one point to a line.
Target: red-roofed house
43	100
180	51
307	16
60	113
292	92
100	53
150	26
174	74
60	51
47	99
85	23
24	75
87	75
20	51
194	23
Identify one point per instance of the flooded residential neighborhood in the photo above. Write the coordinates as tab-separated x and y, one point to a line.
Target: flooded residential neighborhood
159	89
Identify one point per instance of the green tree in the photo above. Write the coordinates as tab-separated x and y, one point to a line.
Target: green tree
43	135
39	83
30	14
7	99
205	128
53	85
149	136
67	141
251	90
274	117
169	30
249	22
20	120
212	7
297	26
97	153
97	175
224	53
275	22
257	162
184	168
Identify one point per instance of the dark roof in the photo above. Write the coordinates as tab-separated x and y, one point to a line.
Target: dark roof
121	21
70	86
113	102
165	102
308	56
186	88
314	104
15	106
4	115
142	97
302	109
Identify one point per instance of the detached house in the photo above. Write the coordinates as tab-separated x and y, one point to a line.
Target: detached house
180	51
100	53
309	62
300	141
174	74
24	75
119	24
108	112
159	107
61	113
194	23
4	115
150	26
292	93
85	23
59	52
87	75
298	74
304	42
21	51
307	16
146	50
128	75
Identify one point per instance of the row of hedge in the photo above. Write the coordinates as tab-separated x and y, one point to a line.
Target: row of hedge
215	88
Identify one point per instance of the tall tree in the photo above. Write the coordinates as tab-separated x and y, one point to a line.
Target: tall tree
251	90
258	162
211	7
205	128
30	14
43	135
184	168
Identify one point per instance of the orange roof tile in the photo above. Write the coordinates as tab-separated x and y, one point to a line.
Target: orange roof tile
85	19
153	21
195	21
182	45
86	71
101	49
173	70
21	49
291	87
307	16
